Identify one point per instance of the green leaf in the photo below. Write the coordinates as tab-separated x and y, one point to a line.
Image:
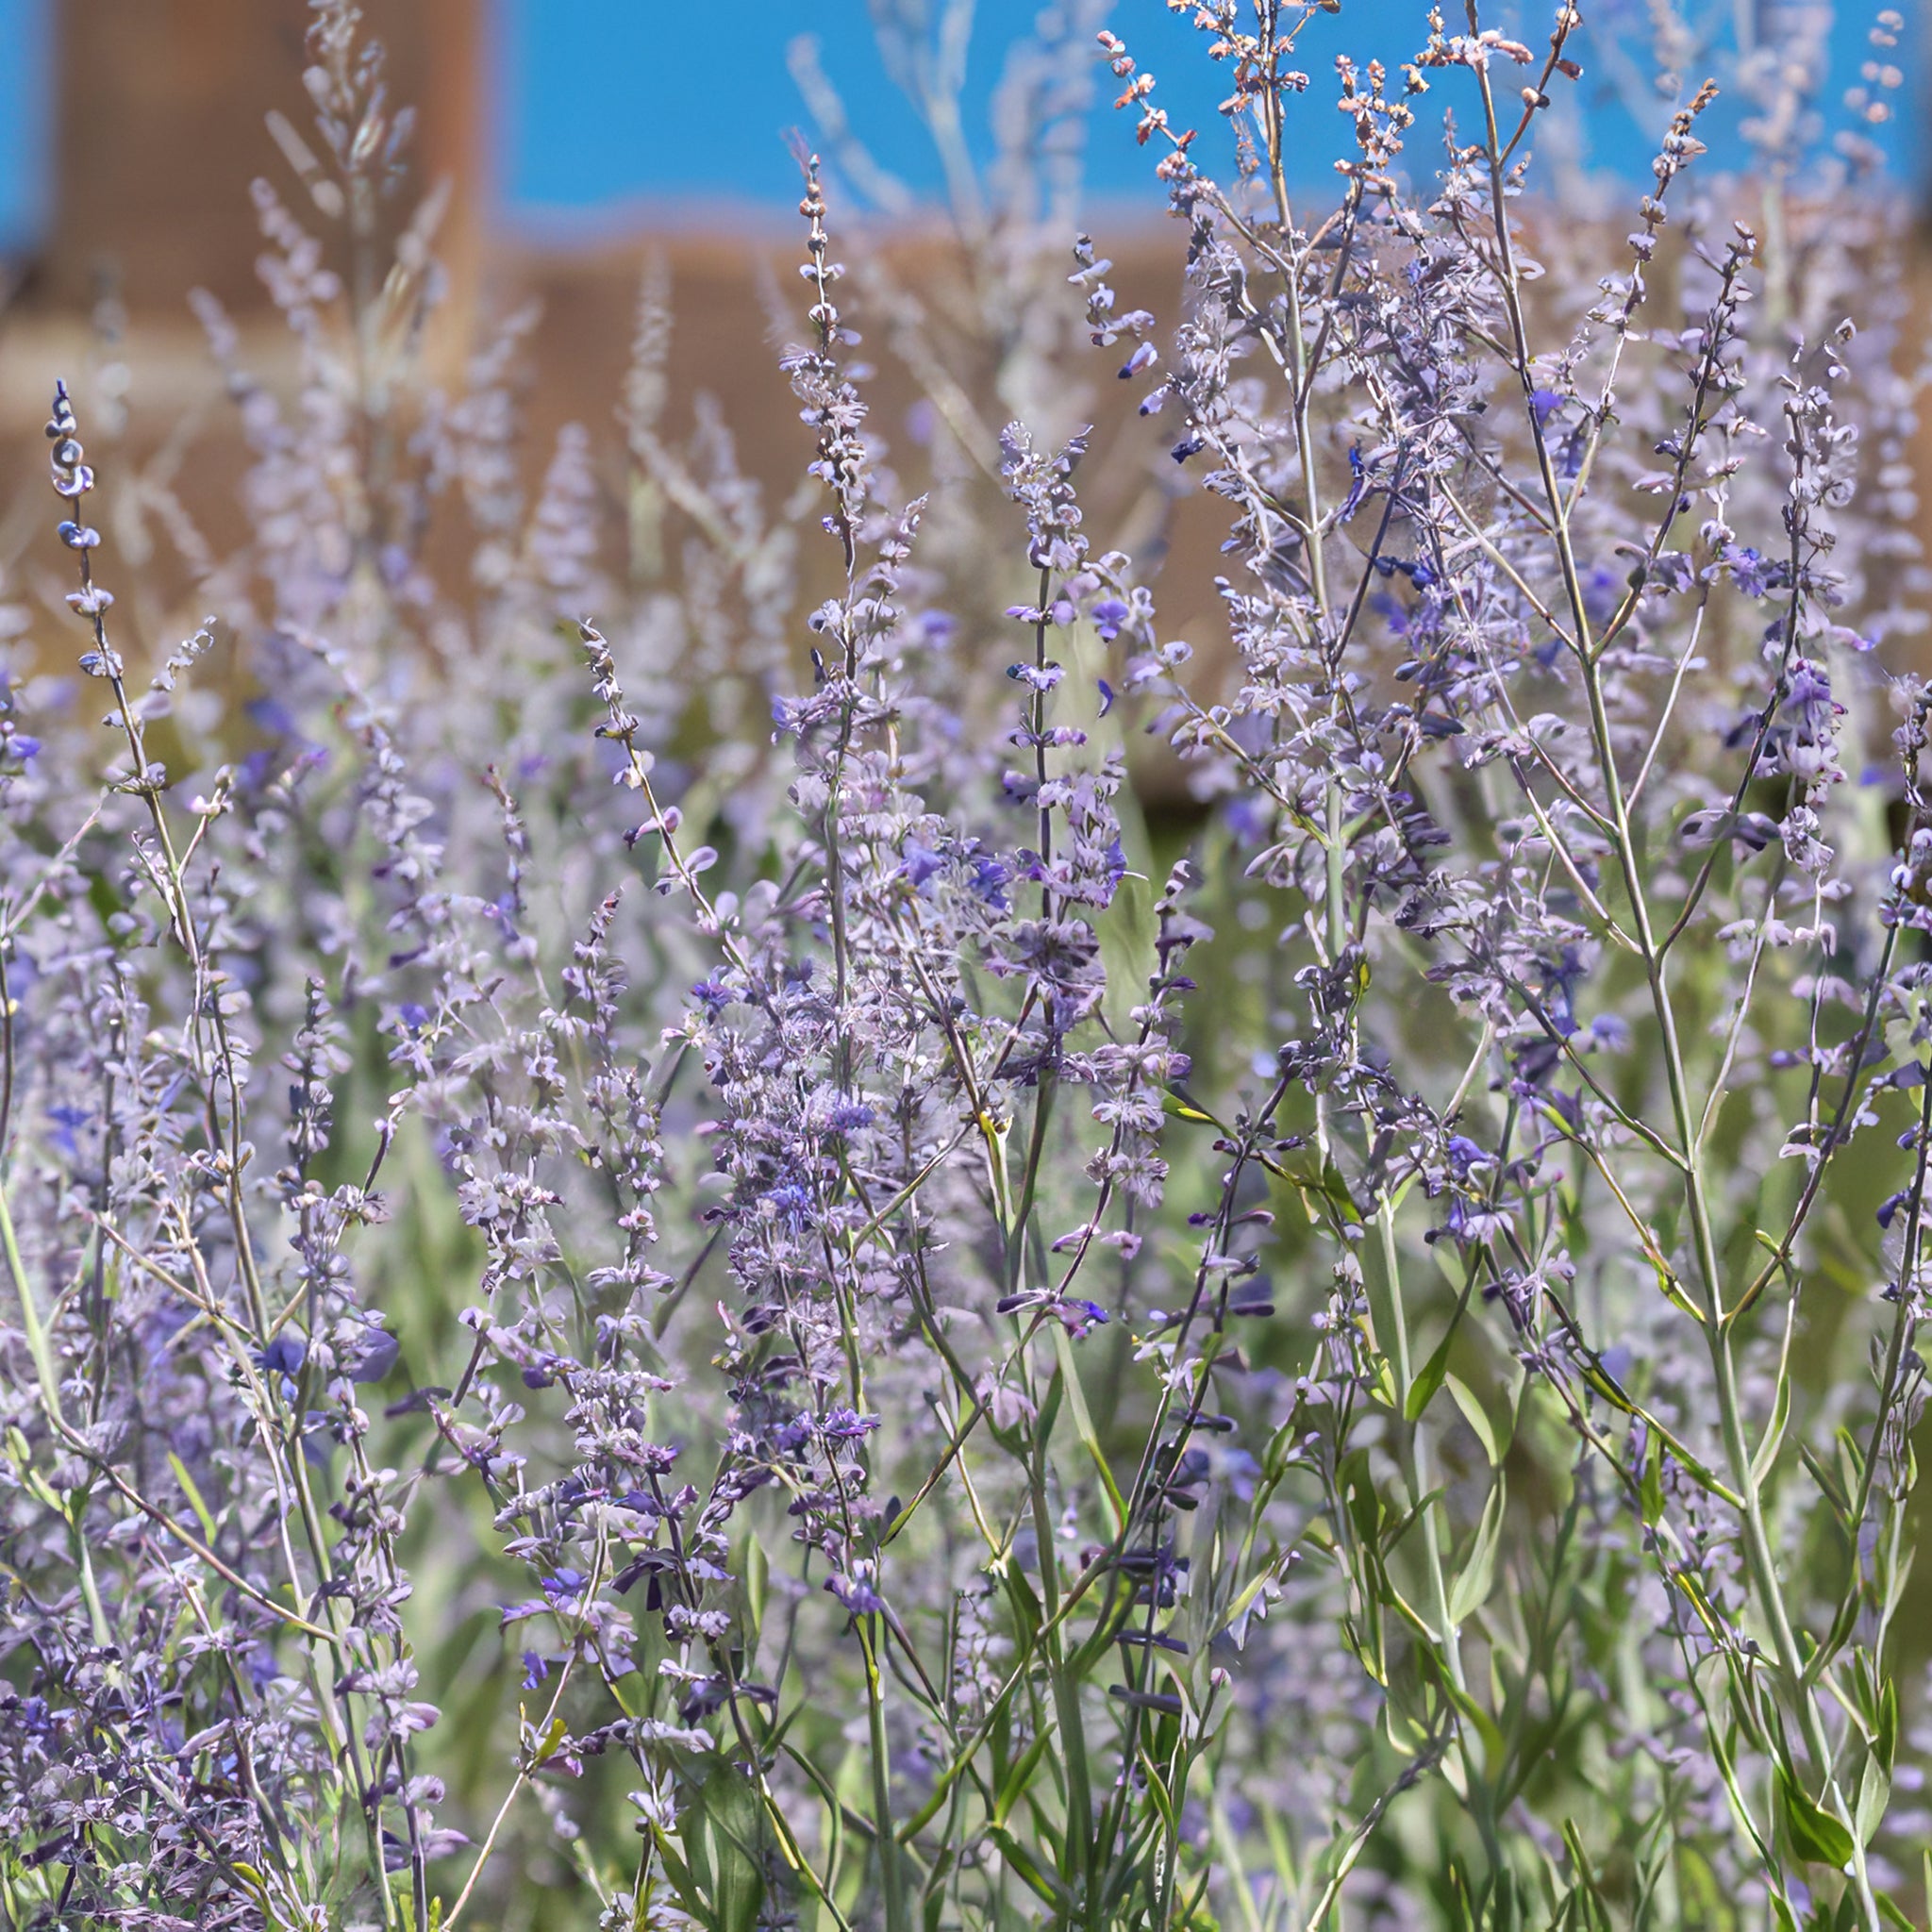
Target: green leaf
1885	1746
934	1902
1184	1109
1382	1385
1875	1794
1893	1914
1584	1901
1430	1377
1840	1633
1335	1185
729	1809
1478	1417
1650	1492
1039	1883
1399	1526
1364	1504
194	1496
1014	1785
1827	1480
1814	1833
1157	1790
1471	1588
1850	1461
683	1881
756	1573
1083	1422
1026	1611
1774	1435
1254	1596
256	1885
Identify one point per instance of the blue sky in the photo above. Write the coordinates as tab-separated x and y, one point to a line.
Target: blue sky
669	107
666	102
680	106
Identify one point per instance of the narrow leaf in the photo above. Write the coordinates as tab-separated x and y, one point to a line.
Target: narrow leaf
1814	1833
1471	1588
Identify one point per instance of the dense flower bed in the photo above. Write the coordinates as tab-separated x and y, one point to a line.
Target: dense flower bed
667	1261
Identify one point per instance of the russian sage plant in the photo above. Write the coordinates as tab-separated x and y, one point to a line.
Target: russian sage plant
677	1254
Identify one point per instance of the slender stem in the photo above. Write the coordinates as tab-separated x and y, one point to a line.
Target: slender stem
1414	1452
871	1635
1759	1556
